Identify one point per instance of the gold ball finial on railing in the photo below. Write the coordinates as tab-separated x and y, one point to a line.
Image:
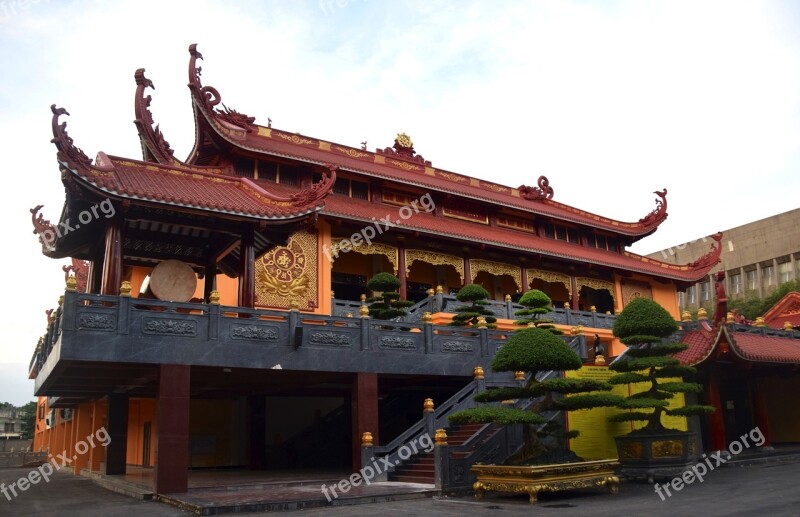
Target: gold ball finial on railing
363	311
366	439
363	298
593	308
760	322
729	317
431	291
333	295
787	325
294	305
213	297
702	314
348	314
686	316
439	289
482	322
72	284
531	325
427	406
440	437
577	330
599	360
519	375
477	372
427	317
508	298
61	300
566	305
125	288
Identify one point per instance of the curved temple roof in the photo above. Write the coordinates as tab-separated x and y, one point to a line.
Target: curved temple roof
241	131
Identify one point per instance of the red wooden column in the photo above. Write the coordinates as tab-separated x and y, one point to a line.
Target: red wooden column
716	419
171	472
760	409
365	412
524	276
401	270
247	270
467	272
573	304
112	259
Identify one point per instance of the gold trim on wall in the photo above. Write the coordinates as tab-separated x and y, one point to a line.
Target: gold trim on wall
288	273
551	277
495	268
375	248
597	284
437	259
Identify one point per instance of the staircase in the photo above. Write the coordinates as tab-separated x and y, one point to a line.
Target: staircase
420	468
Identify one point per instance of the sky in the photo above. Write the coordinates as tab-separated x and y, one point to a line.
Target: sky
611	100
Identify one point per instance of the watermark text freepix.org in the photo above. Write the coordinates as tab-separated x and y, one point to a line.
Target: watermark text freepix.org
365	235
57	462
699	471
379	466
104	207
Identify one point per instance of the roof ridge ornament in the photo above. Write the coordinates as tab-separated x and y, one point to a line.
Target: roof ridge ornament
44	229
542	191
403	148
152	138
317	191
210	97
659	213
67	151
711	258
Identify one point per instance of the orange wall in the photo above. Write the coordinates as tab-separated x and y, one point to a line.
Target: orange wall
139	412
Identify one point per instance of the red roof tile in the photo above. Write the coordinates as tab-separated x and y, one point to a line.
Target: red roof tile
786	309
700	343
768	349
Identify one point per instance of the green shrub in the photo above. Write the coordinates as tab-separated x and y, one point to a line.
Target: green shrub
467	315
537	304
388	305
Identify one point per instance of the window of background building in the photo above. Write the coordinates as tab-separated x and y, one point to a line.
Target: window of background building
705	291
690	295
681	299
751	280
768	275
784	272
735	283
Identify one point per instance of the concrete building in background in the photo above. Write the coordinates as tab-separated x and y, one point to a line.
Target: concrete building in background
756	257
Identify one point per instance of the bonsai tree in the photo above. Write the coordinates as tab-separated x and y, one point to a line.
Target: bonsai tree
643	326
537	305
388	305
535	350
469	314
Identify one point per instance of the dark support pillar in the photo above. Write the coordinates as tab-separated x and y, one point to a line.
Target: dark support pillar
365	412
467	272
210	276
760	409
257	431
716	419
247	273
525	283
117	427
171	473
112	259
573	304
401	270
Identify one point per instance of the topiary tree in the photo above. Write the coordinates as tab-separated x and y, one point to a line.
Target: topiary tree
469	314
643	326
388	305
535	350
538	304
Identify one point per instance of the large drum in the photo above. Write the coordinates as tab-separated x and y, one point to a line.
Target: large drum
173	281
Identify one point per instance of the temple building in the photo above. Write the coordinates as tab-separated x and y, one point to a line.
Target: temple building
213	315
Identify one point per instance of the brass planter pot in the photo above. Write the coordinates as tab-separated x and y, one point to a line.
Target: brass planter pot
546	478
656	455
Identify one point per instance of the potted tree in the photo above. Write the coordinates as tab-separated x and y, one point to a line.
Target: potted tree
535	350
653	450
467	315
387	305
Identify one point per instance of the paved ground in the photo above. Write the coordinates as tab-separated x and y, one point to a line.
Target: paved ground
769	489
